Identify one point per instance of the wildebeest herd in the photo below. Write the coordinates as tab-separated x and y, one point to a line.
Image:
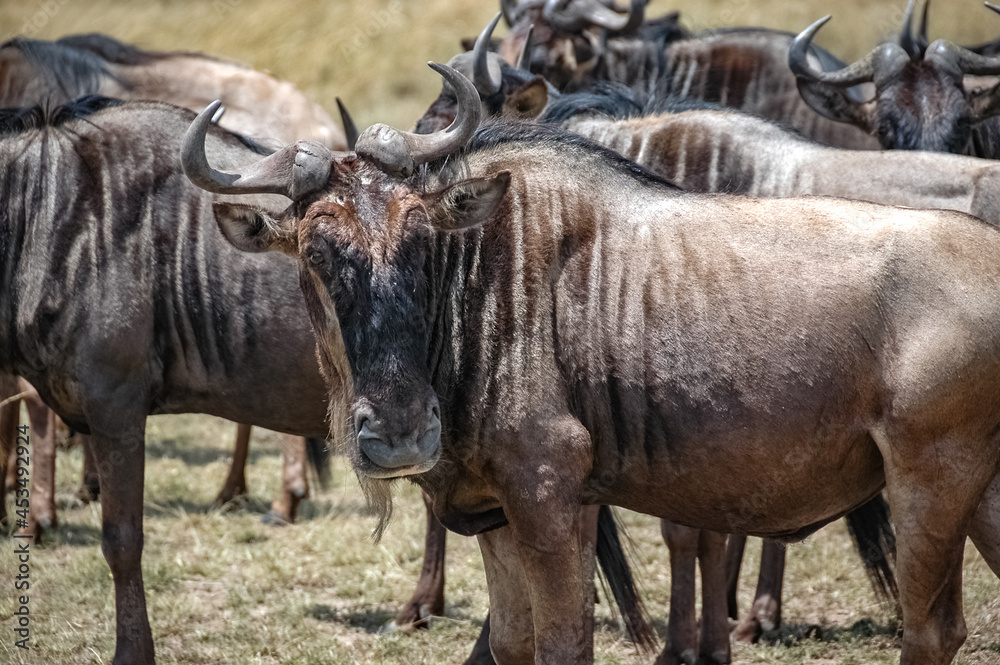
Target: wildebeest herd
615	263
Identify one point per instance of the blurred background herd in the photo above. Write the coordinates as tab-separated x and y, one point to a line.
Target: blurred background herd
371	53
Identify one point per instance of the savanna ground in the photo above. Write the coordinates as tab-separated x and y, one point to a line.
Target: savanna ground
221	587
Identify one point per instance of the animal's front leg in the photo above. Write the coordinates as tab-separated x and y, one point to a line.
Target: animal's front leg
117	422
539	486
512	632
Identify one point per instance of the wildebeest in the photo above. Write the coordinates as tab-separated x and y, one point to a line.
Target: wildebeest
51	73
532	322
742	68
512	92
175	319
35	71
705	148
920	99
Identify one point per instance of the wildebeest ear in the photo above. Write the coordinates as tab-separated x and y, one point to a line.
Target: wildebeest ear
252	229
984	103
833	103
528	101
468	203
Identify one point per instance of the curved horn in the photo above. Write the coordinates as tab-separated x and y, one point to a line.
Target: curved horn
350	129
399	153
485	82
293	171
906	35
922	41
509	10
859	72
636	17
579	14
524	59
967	61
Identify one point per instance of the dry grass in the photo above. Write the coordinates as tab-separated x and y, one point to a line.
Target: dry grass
372	53
222	588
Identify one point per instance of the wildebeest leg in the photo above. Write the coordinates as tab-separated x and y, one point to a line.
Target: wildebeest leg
428	599
714	642
511	627
9	418
765	614
543	510
933	498
734	561
588	549
481	654
682	625
236	482
117	437
985	527
43	466
294	483
90	488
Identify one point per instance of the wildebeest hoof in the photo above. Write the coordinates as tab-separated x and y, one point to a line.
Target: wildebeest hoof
407	619
748	631
274	518
720	657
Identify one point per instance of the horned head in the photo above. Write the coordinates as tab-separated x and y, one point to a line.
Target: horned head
920	101
569	35
358	228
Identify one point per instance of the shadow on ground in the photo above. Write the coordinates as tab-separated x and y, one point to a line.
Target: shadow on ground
368	619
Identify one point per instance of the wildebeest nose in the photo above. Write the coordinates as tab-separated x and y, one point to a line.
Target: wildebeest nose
413	441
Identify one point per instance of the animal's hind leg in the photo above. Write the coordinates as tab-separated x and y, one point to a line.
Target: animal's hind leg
985	528
9	416
236	481
43	467
765	614
934	489
90	486
714	641
734	561
682	627
294	482
428	599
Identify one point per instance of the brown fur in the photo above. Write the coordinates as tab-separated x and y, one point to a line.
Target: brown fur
603	339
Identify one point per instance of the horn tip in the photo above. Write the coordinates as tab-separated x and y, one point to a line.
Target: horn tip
217	111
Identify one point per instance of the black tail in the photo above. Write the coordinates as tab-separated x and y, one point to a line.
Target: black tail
319	459
614	564
875	540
